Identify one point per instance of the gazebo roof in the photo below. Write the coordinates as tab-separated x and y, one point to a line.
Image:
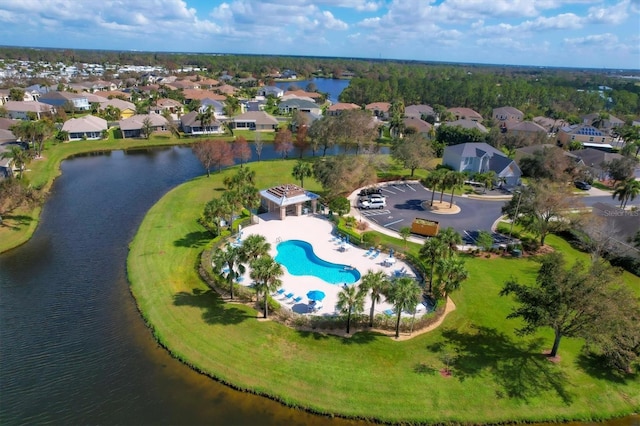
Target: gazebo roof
288	194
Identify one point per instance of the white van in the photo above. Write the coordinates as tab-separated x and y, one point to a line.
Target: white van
377	201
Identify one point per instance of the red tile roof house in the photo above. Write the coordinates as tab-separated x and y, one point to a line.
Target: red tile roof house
87	127
465	114
259	121
21	110
379	109
336	109
132	127
191	94
166	104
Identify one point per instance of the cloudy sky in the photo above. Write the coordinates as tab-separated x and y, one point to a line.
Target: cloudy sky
575	33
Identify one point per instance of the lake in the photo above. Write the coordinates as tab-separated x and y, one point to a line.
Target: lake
326	85
73	347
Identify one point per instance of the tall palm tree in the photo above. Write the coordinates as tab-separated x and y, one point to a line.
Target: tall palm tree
434	181
171	125
450	239
301	170
404	294
205	118
229	257
350	301
626	191
266	273
214	212
486	179
451	272
432	250
454	181
376	283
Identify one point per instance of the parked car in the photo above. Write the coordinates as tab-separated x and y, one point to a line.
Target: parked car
369	191
373	201
580	184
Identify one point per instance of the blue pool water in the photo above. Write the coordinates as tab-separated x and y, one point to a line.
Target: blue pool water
299	259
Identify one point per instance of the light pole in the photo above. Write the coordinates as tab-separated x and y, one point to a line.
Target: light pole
515	216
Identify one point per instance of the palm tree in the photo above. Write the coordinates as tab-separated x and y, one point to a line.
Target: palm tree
230	258
404	294
435	180
378	284
255	246
214	212
626	191
171	125
301	170
454	181
432	250
451	272
350	300
19	157
266	273
486	179
205	118
405	233
450	239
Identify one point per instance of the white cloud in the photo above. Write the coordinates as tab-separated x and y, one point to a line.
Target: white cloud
600	40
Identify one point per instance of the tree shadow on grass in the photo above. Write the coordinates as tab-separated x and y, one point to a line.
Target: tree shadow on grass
521	370
596	366
194	239
315	335
422	368
214	309
360	338
17	220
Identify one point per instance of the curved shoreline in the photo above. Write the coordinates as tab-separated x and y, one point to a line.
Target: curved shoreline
227	342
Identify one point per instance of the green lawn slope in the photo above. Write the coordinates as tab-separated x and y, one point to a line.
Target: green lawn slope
497	376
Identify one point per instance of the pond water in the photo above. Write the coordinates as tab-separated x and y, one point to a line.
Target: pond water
326	85
73	347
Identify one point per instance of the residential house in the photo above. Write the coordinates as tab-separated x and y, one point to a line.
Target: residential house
507	113
289	97
111	94
465	114
4	96
133	127
198	94
605	123
480	157
95	99
184	84
85	128
379	109
419	111
620	227
226	89
7	136
127	109
255	120
531	150
467	124
166	104
583	133
336	109
6	164
551	125
291	105
7	123
216	106
191	125
255	105
270	90
421	126
21	110
304	94
527	130
595	160
78	101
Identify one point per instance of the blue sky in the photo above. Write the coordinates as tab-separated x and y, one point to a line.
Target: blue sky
574	33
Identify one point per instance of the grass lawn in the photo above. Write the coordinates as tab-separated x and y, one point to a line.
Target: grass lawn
497	376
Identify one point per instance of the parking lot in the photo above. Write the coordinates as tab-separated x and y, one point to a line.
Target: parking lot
404	203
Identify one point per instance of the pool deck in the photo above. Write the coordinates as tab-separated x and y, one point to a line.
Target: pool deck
317	231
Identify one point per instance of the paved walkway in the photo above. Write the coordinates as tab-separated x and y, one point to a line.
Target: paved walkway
318	231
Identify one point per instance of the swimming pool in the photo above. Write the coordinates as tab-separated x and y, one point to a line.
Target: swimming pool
299	259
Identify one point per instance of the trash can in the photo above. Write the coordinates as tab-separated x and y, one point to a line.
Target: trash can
516	253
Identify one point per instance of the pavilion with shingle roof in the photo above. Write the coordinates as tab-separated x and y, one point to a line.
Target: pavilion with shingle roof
287	199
